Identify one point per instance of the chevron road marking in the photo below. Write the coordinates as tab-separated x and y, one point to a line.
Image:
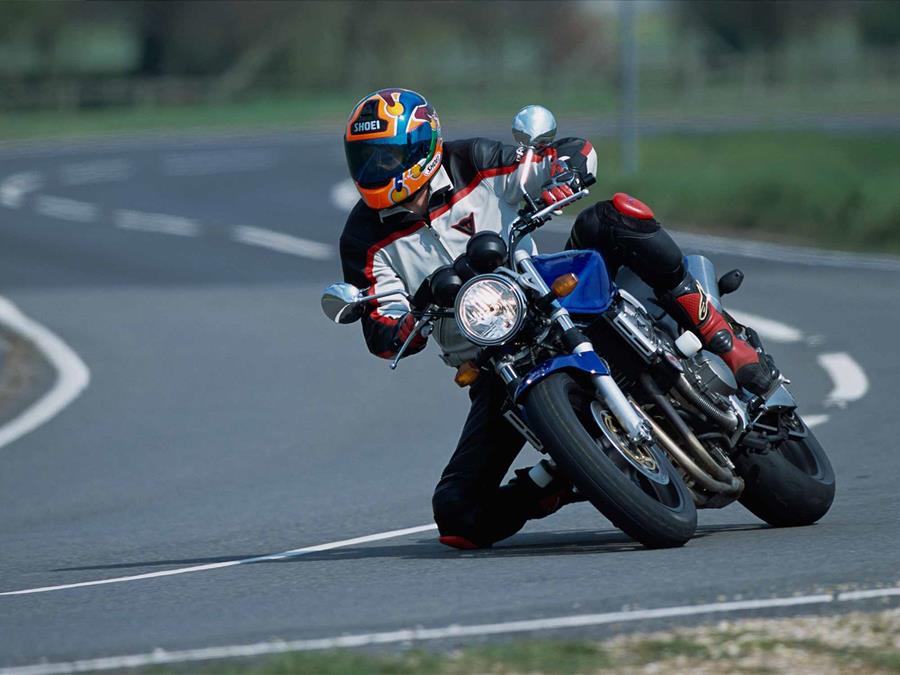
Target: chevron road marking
72	376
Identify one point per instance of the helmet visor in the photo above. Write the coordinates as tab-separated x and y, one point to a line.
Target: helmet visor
373	164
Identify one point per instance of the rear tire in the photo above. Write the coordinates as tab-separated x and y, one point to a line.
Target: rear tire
657	516
791	484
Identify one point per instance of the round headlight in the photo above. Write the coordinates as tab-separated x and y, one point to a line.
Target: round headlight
490	309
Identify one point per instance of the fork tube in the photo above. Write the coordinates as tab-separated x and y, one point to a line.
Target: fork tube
622	408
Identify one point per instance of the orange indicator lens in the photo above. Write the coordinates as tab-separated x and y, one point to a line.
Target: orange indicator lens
466	374
564	285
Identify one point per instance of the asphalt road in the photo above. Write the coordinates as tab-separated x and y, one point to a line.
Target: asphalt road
226	418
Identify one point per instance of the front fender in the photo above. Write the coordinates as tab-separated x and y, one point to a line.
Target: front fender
586	362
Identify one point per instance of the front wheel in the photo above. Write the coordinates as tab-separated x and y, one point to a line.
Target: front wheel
789	484
638	489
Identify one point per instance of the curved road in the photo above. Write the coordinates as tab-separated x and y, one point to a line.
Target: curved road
227	419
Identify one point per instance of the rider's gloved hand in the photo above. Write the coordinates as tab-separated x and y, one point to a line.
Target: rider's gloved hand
553	192
560	184
407	324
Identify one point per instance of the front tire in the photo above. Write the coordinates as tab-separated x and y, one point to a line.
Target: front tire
788	485
657	515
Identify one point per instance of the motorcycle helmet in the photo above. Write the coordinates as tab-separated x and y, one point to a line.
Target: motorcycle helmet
393	145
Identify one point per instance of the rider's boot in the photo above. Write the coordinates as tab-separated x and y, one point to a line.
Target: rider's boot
534	493
547	490
689	304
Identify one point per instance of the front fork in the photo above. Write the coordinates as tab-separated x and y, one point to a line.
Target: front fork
635	426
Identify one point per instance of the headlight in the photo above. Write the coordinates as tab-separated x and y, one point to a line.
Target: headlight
490	309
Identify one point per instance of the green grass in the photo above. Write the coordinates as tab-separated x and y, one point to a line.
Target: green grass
563	658
828	190
273	113
673	653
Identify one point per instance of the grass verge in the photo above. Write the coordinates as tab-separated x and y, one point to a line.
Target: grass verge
861	643
825	190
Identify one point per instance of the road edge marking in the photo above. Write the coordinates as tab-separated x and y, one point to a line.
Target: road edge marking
72	375
161	657
284	555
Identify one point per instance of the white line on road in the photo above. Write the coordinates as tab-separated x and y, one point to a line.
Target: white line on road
284	243
850	381
66	209
293	553
344	196
161	223
72	376
160	656
768	329
14	188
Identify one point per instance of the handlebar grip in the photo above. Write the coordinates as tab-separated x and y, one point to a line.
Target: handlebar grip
589	180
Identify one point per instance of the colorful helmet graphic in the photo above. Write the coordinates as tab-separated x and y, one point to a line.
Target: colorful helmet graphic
393	145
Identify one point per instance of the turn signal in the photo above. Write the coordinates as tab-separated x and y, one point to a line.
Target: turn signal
564	285
466	374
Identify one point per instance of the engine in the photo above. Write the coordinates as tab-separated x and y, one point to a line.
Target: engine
709	374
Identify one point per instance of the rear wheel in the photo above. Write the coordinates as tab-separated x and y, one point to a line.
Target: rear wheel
789	484
635	487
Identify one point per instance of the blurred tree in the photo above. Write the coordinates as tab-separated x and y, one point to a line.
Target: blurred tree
880	22
741	25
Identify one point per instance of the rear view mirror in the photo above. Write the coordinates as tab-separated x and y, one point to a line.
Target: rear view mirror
534	126
730	282
341	303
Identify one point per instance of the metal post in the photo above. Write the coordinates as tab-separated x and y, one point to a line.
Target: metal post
628	87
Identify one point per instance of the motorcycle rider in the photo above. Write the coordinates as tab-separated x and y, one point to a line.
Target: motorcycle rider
422	199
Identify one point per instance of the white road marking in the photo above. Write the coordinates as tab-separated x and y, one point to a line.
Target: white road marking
72	376
211	162
294	553
14	188
768	329
66	209
344	196
284	243
868	594
160	656
95	171
156	222
815	420
850	381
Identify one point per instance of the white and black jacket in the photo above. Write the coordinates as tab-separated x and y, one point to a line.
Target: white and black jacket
476	189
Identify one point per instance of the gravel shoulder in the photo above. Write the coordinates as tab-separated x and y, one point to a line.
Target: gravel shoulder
25	374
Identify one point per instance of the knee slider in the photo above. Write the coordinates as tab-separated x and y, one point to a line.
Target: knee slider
631	207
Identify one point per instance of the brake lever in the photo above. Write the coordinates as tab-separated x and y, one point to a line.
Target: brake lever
556	206
426	318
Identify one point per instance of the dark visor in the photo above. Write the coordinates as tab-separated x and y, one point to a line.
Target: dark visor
373	164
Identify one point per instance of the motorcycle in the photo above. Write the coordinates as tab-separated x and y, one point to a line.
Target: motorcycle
646	424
